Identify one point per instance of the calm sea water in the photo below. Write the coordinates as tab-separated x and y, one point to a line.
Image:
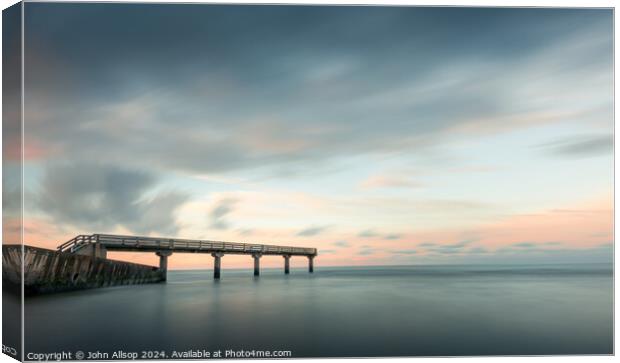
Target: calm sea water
370	311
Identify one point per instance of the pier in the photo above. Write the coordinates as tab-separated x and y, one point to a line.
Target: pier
97	246
42	271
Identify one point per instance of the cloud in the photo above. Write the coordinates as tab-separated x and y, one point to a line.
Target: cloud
366	251
459	244
405	252
157	214
12	197
453	248
439	205
219	212
393	236
529	246
221	104
427	244
312	231
368	233
581	146
600	252
341	244
354	95
525	245
389	181
246	231
510	254
100	198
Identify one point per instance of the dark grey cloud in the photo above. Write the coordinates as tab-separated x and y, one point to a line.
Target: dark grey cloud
312	231
401	82
219	212
11	89
581	146
99	198
393	236
12	182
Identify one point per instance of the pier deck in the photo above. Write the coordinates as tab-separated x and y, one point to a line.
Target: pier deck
97	245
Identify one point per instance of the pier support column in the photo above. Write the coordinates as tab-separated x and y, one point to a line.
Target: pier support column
287	264
310	264
163	262
217	264
96	250
256	257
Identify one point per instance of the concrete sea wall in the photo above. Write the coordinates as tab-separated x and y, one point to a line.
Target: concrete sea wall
47	271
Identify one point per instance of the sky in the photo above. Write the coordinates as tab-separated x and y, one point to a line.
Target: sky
379	135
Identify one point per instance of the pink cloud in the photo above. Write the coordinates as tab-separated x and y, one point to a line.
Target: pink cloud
33	150
389	181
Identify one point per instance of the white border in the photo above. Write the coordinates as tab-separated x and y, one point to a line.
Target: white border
478	3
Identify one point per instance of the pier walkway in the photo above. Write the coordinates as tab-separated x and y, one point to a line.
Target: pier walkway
97	245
